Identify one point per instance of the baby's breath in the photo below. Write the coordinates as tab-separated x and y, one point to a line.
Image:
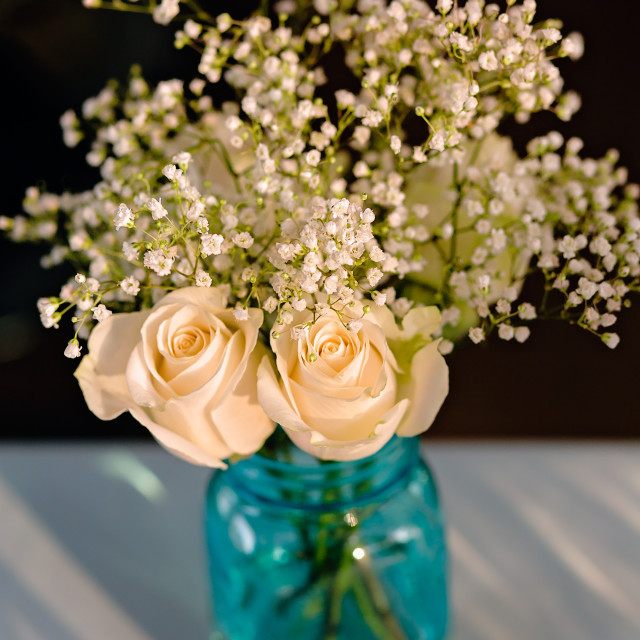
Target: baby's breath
394	190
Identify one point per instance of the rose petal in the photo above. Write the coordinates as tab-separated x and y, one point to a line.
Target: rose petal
427	386
240	420
386	320
199	369
365	369
274	402
194	297
187	449
148	381
379	344
191	325
142	386
101	373
423	321
333	344
340	418
137	352
242	343
336	405
106	396
285	363
311	375
326	449
203	297
321	374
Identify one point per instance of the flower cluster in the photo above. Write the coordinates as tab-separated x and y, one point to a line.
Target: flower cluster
356	184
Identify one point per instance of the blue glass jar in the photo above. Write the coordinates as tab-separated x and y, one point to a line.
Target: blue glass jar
327	550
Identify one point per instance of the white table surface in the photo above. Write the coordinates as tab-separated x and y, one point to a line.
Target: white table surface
104	542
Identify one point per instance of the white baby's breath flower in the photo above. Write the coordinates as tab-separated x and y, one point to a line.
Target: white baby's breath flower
240	313
299	332
361	135
355	326
171	172
438	141
123	217
193	30
461	41
100	312
156	209
166	11
183	158
505	331
270	304
401	306
196	209
313	158
607	319
243	240
444	6
488	61
484	282
73	349
374	275
203	279
269	201
445	347
526	311
345	98
586	288
503	306
224	22
130	286
373	118
380	299
129	251
572	46
210	244
419	155
159	262
92	285
299	304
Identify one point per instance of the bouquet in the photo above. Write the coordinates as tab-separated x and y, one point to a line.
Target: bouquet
307	254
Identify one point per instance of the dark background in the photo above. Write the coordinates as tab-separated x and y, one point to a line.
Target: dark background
563	383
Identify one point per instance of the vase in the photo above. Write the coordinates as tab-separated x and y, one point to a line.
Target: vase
301	548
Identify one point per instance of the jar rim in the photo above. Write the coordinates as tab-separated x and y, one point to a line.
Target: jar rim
308	487
396	443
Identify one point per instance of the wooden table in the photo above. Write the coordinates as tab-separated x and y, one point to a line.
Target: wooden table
104	542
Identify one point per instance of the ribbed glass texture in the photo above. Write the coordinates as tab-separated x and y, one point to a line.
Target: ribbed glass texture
327	551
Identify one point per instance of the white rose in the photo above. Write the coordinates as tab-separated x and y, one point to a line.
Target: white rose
341	395
209	163
186	369
431	184
213	165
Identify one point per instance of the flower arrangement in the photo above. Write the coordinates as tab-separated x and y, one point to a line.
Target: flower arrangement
306	254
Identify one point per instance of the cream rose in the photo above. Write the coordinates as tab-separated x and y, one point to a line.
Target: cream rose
186	369
342	394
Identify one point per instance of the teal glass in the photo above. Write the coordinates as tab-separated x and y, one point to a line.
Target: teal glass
327	550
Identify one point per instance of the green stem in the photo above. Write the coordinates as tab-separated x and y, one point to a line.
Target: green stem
338	590
375	605
454	213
